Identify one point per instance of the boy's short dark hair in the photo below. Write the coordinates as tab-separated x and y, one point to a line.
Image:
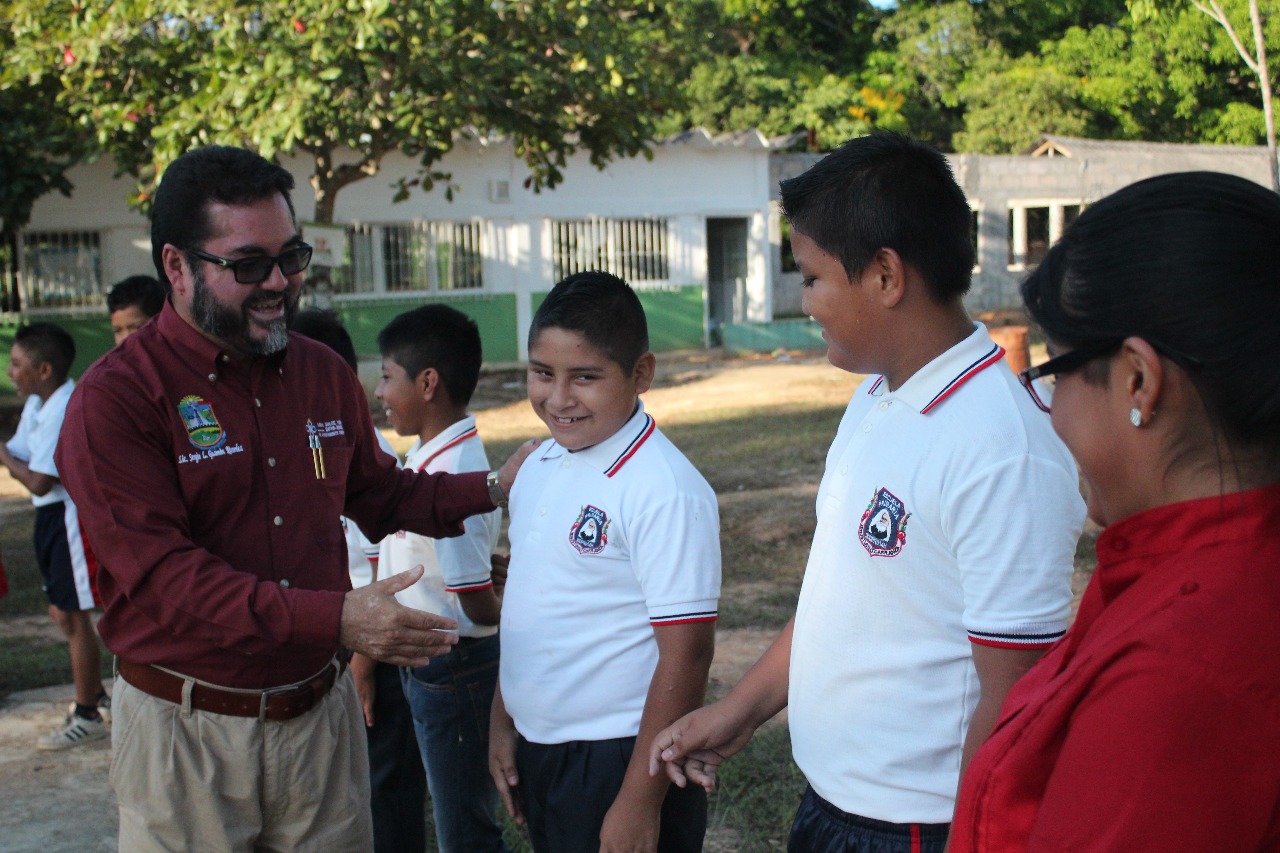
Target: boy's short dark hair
325	326
603	309
140	290
887	191
49	344
439	337
179	214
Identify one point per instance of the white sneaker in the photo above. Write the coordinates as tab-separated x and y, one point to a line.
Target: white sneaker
104	708
77	731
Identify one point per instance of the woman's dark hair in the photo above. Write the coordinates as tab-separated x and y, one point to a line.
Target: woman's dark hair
1190	262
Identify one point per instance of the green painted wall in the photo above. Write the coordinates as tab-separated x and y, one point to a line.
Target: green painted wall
495	315
767	337
675	317
674	314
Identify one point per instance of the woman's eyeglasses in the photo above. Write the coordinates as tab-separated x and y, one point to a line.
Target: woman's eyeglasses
1039	380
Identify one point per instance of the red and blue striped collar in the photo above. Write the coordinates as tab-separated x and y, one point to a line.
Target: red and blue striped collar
420	457
610	455
940	378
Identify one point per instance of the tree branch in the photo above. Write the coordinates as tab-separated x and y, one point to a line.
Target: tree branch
1214	10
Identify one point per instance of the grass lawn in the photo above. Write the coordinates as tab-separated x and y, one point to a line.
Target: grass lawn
758	429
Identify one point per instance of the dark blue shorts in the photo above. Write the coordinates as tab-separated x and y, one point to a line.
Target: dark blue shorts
820	827
66	562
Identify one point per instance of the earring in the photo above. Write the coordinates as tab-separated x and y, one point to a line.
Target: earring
1135	417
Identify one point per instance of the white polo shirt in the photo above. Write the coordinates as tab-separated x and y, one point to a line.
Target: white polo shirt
452	565
362	555
36	438
606	544
948	515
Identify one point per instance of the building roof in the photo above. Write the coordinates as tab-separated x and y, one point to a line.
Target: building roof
1052	145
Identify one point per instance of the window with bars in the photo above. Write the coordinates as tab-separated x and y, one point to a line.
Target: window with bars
60	269
632	249
413	256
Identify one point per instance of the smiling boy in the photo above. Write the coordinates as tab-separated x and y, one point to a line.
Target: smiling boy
609	612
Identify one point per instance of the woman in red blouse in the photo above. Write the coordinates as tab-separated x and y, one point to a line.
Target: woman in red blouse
1155	723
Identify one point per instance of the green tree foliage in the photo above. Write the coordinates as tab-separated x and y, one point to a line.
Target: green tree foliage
1022	27
924	52
328	77
1248	26
1014	102
38	144
734	93
778	66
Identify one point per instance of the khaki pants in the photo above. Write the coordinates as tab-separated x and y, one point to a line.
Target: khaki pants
220	783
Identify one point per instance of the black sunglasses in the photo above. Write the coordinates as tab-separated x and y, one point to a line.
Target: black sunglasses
257	269
1082	355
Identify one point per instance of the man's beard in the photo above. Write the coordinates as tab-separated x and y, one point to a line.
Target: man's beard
231	326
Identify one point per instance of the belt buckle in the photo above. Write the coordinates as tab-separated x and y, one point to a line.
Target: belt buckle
265	700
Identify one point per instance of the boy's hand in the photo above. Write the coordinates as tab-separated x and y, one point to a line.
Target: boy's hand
693	747
629	829
502	758
362	667
498	566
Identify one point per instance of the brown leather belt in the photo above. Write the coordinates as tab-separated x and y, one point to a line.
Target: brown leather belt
276	703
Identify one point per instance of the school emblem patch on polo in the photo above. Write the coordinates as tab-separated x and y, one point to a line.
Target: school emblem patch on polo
590	533
202	425
883	529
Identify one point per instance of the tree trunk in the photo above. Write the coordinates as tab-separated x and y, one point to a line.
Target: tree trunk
1264	80
324	183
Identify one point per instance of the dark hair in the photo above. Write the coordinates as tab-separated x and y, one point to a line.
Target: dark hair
603	309
887	191
141	290
48	344
1190	262
326	327
180	214
439	337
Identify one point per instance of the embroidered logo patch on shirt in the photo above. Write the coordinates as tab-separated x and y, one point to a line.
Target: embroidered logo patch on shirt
883	529
203	428
590	533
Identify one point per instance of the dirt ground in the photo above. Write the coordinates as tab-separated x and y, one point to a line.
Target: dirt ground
62	802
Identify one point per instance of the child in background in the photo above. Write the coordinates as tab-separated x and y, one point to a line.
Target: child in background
39	362
397	786
608	621
131	302
430	366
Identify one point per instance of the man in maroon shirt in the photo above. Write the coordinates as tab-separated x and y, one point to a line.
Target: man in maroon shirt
213	455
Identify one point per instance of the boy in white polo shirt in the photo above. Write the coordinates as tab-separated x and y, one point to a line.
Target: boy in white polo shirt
947	521
430	366
39	363
608	616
